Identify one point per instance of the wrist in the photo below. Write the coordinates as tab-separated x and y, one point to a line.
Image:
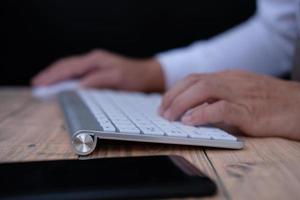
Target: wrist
154	80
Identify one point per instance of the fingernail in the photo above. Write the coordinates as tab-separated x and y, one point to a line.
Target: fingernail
186	119
83	84
187	113
167	115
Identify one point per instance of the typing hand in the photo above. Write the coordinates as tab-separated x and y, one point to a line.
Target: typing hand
257	105
103	69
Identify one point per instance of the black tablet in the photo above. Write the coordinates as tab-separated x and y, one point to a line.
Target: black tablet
105	178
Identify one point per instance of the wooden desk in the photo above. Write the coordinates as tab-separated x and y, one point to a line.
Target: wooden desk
264	169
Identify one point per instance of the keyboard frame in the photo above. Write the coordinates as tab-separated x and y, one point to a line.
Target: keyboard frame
80	120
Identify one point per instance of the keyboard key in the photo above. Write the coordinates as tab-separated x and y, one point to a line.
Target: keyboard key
129	130
175	132
109	128
151	131
200	136
215	133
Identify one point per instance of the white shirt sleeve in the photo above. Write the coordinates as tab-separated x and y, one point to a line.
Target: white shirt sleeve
263	44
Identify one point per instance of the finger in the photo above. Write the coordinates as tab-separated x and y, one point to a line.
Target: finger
204	90
226	127
100	79
176	90
65	69
220	112
189	112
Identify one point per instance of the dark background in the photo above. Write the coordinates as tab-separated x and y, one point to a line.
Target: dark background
34	33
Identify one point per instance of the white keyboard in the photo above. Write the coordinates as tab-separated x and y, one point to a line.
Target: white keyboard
132	116
136	113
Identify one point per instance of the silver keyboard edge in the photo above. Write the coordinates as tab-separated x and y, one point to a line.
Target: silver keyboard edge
239	144
78	119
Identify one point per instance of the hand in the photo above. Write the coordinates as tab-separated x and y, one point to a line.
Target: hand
103	69
257	105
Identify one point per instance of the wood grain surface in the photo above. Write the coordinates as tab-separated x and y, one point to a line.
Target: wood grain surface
267	168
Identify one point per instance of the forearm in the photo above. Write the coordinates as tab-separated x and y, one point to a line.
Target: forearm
255	46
